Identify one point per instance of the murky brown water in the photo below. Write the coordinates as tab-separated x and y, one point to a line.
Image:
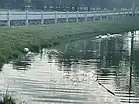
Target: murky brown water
90	71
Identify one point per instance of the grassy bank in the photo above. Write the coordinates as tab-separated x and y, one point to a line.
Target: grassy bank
14	39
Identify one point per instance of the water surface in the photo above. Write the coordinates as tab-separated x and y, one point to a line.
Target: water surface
90	71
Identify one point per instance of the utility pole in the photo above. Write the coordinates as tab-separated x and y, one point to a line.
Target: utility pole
60	2
133	8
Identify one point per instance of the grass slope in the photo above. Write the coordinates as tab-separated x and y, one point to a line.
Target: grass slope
14	39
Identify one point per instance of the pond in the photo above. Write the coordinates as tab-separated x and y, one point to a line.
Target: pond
97	70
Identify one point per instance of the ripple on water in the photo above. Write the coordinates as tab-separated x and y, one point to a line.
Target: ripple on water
81	72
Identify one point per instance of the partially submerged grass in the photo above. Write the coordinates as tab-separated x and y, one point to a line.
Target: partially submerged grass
13	40
7	99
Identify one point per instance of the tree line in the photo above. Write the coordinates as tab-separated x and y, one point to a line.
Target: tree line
65	4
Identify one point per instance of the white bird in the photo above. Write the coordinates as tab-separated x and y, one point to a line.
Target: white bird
97	37
104	36
26	50
108	34
118	35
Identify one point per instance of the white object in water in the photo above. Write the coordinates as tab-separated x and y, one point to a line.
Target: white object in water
101	36
104	36
97	37
118	35
26	49
108	34
114	35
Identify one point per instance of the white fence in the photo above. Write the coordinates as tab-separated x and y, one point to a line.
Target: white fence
9	16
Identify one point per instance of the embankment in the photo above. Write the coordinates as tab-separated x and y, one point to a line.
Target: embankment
13	40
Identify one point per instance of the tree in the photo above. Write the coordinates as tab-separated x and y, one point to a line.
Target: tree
76	3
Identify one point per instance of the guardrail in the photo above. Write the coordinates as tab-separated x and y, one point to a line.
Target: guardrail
26	16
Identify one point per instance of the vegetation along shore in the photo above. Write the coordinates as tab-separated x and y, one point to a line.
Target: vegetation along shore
13	40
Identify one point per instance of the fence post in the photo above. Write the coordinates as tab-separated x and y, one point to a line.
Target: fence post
85	16
26	18
119	15
77	16
136	14
107	16
42	18
116	15
8	19
94	18
129	13
101	15
113	16
124	13
67	18
55	16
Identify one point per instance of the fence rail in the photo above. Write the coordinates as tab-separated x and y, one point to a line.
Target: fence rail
26	16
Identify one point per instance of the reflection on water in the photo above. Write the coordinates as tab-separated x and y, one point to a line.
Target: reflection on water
101	70
23	64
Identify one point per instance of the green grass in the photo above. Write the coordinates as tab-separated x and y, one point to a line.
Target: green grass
7	100
14	39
